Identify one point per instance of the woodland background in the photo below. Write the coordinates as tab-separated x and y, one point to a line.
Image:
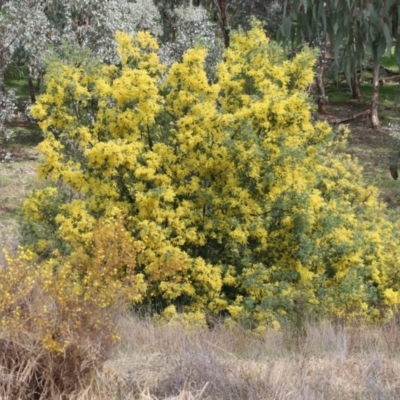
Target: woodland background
199	205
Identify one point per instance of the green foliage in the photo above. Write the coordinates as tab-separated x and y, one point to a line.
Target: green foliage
14	79
236	197
389	61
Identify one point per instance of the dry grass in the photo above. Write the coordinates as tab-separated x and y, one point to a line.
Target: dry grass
329	362
152	362
29	371
17	179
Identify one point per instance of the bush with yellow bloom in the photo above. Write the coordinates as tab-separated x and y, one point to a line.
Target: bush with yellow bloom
238	201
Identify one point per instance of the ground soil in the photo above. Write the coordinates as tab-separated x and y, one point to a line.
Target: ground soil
375	149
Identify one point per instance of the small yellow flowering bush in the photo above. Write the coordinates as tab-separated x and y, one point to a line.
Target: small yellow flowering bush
238	204
58	316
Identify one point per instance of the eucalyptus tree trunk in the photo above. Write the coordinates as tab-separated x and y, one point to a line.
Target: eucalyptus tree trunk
224	22
375	97
3	69
2	88
222	15
2	77
31	86
355	85
355	88
322	100
39	82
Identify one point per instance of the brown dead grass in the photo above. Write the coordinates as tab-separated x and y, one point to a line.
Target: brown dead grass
28	371
17	179
168	362
329	362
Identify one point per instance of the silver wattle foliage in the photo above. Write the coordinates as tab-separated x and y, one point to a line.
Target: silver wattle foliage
92	23
192	27
35	35
31	30
8	111
12	31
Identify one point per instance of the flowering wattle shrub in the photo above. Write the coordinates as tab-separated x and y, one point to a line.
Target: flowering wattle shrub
237	200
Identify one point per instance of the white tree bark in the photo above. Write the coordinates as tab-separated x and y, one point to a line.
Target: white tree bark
375	97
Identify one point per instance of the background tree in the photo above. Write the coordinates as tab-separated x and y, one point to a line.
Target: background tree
228	14
93	23
349	28
192	26
382	29
10	36
306	23
27	22
31	28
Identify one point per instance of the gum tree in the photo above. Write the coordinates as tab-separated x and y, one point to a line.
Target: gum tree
12	31
31	35
92	23
192	27
32	28
350	27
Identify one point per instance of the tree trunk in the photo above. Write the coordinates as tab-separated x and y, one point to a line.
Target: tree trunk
3	70
2	90
31	86
2	85
375	97
322	101
31	90
221	11
355	86
224	18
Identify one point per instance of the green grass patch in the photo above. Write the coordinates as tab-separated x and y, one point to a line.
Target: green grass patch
389	62
389	93
15	78
24	136
338	93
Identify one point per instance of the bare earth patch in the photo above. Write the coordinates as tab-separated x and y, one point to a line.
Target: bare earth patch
375	150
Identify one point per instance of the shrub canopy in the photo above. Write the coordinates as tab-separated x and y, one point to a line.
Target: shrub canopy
237	197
